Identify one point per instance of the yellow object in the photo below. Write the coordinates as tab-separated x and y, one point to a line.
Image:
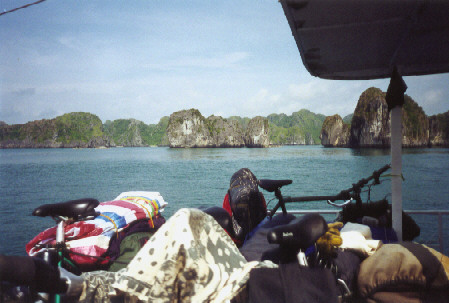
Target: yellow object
328	242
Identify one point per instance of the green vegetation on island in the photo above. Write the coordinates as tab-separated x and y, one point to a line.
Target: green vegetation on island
131	132
348	119
69	130
80	127
302	127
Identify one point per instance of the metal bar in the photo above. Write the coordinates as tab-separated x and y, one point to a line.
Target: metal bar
440	232
334	211
396	169
309	211
428	212
308	199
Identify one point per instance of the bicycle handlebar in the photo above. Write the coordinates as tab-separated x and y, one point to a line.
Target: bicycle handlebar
344	194
18	270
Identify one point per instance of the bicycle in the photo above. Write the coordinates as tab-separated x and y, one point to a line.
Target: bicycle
352	193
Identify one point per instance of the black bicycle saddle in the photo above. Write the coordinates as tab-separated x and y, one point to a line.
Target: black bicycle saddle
222	217
300	233
75	209
272	185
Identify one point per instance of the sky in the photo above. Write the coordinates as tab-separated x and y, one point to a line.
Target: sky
146	59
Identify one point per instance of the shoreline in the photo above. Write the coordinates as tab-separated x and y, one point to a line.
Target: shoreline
209	147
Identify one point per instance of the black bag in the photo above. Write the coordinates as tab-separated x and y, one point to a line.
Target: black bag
247	203
292	283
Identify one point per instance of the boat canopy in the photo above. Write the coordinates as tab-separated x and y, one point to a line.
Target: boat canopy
372	39
366	39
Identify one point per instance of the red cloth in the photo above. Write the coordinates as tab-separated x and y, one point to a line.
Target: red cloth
92	237
227	204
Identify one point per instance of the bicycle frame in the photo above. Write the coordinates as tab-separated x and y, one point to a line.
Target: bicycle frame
61	259
62	213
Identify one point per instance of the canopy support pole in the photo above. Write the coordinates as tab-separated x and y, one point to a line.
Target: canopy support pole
395	100
396	169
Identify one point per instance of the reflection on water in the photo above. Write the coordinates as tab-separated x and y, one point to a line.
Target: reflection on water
220	153
370	152
336	151
286	152
425	150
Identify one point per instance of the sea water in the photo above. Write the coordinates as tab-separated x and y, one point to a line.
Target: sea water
200	178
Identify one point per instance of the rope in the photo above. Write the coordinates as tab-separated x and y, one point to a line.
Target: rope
67	251
110	219
20	7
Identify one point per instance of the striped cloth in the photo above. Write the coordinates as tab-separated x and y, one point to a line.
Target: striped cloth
92	237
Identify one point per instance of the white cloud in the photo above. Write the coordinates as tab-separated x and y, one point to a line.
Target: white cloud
262	103
24	92
306	90
433	96
71	43
213	61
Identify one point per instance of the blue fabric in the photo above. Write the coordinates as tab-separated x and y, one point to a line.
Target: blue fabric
256	246
270	222
385	234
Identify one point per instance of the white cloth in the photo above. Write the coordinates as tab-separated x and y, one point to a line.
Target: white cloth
361	228
142	197
355	241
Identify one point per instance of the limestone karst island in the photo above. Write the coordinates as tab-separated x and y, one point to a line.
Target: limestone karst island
368	126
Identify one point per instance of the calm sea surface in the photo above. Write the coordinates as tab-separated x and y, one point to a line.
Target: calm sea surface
200	178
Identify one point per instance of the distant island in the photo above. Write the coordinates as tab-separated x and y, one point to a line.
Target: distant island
85	130
188	128
81	130
368	126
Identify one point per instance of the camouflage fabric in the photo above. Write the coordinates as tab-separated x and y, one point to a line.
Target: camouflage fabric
189	259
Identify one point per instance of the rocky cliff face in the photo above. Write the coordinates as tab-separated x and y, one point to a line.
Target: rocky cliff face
126	132
188	128
439	130
334	133
256	134
370	125
371	122
415	125
225	133
74	130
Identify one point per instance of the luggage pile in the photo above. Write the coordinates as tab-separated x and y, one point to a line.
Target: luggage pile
236	252
356	259
96	244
